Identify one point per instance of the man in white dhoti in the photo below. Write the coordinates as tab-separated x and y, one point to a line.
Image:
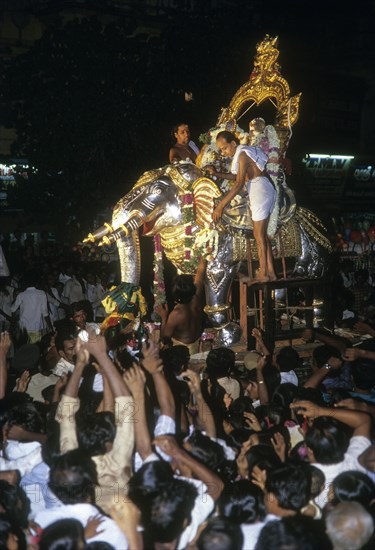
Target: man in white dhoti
247	170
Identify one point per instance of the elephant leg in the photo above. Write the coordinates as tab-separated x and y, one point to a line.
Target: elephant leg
219	277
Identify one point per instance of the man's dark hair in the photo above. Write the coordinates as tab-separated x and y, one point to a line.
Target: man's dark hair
353	485
287	359
220	362
168	510
183	289
321	354
228	136
328	439
27	417
148	480
242	502
64	533
175	359
208	452
15	503
174	130
263	456
73	478
93	432
293	533
290	485
78	306
220	534
62	336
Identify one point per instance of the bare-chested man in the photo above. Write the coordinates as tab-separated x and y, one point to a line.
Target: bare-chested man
248	170
183	148
183	325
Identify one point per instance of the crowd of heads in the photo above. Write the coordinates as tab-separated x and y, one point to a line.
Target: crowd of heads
111	442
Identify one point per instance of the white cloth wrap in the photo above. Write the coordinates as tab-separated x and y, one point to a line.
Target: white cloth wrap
255	153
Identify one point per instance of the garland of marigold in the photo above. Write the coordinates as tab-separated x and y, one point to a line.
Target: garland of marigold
159	285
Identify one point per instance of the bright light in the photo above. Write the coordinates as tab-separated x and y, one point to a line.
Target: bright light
324	156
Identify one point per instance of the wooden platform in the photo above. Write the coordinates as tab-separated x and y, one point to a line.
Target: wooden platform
259	308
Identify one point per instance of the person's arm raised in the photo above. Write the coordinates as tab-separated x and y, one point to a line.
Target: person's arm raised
359	421
200	276
82	358
135	380
96	346
205	417
5	343
152	363
169	446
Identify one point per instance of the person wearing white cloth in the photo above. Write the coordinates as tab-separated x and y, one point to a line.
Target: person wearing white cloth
247	170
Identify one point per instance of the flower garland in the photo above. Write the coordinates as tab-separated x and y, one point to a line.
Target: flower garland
191	260
159	285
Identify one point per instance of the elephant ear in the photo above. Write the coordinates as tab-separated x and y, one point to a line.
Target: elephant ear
204	191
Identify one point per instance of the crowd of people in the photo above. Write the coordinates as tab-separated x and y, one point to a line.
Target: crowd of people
112	442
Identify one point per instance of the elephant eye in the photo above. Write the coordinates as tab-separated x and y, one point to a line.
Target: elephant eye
156	189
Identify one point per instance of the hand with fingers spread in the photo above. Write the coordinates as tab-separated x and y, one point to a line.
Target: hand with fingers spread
151	361
135	380
96	344
93	526
23	381
306	408
259	477
252	421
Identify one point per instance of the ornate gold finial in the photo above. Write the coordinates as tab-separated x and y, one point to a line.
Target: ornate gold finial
266	83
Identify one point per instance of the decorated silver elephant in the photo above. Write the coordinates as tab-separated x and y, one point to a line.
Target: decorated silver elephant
177	201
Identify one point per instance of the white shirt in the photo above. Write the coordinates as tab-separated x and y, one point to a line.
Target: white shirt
21	456
32	304
111	533
203	506
358	444
35	485
72	291
289	378
62	367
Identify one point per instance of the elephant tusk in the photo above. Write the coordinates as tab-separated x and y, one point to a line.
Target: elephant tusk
99	233
89	239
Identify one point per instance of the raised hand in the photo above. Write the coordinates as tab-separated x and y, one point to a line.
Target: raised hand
93	526
278	443
135	379
193	381
151	361
23	381
252	421
5	343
